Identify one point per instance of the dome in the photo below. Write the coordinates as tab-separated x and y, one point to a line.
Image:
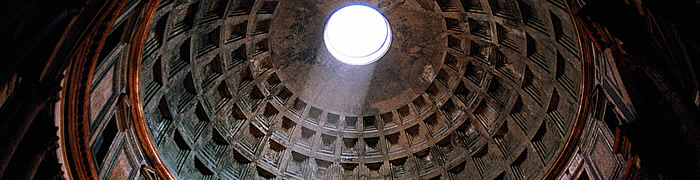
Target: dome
470	89
369	89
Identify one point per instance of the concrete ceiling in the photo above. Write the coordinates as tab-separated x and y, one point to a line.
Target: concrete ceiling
476	89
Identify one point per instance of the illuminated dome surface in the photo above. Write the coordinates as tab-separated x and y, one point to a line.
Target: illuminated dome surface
277	89
357	35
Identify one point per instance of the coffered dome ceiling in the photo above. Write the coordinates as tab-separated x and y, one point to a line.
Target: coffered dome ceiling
469	89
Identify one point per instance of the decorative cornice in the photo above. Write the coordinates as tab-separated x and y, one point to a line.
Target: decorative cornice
77	94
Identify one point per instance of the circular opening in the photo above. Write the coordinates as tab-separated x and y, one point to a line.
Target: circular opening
357	34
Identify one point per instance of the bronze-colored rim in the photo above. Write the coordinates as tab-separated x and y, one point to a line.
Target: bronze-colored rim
134	90
586	86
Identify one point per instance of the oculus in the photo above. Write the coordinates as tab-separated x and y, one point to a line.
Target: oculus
357	34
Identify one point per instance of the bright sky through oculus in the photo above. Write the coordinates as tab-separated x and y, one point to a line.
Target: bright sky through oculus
357	35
